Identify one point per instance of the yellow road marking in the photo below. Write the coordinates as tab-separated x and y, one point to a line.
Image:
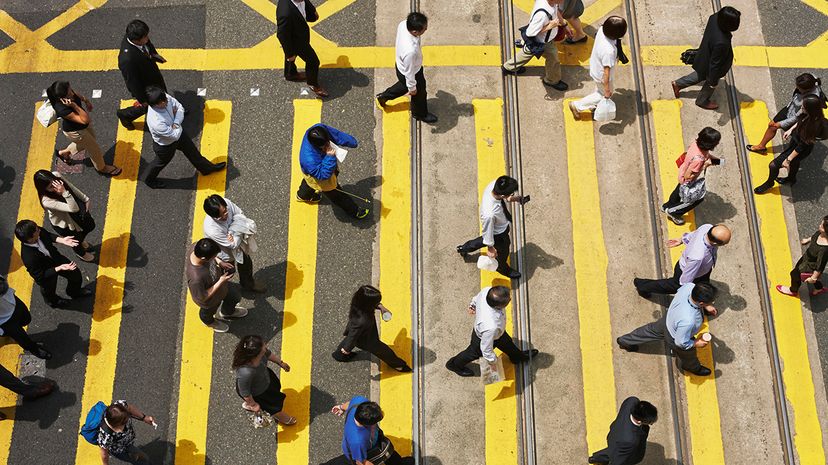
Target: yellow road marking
702	397
787	311
39	157
300	282
197	339
501	403
590	259
592	13
395	275
109	286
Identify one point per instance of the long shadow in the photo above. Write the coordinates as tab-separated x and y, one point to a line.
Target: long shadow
811	182
45	411
714	210
71	343
726	300
364	189
722	354
7	175
536	258
194	117
343	78
656	455
185	449
446	107
626	112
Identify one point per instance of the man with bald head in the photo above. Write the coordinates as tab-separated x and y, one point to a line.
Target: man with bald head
695	264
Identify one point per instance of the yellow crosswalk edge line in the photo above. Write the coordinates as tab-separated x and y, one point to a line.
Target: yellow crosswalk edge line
501	403
300	283
702	397
787	311
109	286
197	339
38	157
590	258
395	275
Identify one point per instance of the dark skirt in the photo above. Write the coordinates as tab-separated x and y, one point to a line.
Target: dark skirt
272	400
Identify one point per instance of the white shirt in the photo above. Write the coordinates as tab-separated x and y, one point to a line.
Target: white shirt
165	123
39	246
301	6
492	218
539	20
218	231
142	48
489	324
604	53
409	55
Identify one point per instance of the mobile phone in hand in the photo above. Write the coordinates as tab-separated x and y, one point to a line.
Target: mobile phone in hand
717	161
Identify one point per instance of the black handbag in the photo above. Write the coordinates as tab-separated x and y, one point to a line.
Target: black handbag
531	45
382	451
82	216
689	56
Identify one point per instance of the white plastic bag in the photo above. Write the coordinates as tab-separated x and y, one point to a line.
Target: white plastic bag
605	110
46	114
487	263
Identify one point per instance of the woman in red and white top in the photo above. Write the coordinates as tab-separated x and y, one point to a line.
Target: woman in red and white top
697	159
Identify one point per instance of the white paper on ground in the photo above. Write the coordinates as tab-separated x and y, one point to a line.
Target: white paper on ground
489	375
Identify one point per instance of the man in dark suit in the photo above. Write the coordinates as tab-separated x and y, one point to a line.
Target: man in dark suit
714	58
292	18
138	61
627	438
44	263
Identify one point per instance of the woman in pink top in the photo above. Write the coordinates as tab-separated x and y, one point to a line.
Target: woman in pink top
697	160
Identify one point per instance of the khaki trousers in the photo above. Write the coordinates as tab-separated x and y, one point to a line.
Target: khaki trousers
552	67
85	140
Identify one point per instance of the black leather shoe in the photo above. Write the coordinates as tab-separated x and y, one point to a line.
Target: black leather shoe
560	85
762	189
464	372
126	123
381	100
627	348
512	274
636	283
404	369
462	252
216	167
430	118
525	355
518	70
703	371
155	184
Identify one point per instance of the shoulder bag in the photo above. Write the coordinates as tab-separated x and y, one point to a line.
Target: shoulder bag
531	45
381	451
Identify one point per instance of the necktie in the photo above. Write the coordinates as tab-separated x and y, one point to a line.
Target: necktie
145	50
506	211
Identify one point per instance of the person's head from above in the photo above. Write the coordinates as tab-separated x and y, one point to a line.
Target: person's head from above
59	90
498	297
44	182
718	235
116	416
812	106
215	207
811	123
708	139
704	294
416	23
728	19
27	231
806	82
206	249
823	226
365	300
368	414
156	97
319	138
645	412
615	27
137	32
504	186
248	348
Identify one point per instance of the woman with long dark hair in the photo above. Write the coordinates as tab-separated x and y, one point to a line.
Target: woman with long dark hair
806	84
362	330
77	126
68	209
812	263
256	383
810	124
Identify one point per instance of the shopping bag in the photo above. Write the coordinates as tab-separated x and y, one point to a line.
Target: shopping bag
491	374
46	114
485	262
605	110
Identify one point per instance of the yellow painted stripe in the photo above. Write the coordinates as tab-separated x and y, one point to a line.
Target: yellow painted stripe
787	311
395	275
109	286
590	259
39	157
300	284
501	402
702	398
197	339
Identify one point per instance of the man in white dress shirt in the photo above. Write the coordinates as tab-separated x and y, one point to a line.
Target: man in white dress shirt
543	25
164	117
410	78
489	332
234	232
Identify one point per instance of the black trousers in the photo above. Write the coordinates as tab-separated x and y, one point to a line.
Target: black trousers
676	207
245	271
419	105
341	200
80	236
13	328
502	243
657	331
228	306
667	285
48	288
308	55
796	278
131	113
776	164
15	384
374	346
473	352
164	155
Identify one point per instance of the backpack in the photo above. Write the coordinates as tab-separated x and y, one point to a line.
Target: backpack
90	427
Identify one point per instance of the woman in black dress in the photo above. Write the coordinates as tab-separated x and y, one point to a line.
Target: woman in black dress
811	265
257	384
362	331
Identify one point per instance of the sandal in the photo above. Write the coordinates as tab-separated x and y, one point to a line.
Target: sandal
780	288
570	41
110	171
750	148
290	421
64	158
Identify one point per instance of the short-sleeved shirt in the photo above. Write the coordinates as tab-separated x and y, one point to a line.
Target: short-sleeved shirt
815	257
604	53
356	440
253	380
539	20
693	161
113	441
200	279
62	111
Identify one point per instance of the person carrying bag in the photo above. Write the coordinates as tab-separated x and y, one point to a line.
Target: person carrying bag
363	441
692	184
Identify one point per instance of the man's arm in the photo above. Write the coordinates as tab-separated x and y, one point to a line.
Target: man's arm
310	12
487	346
684	336
717	68
178	112
409	72
690	271
161	127
341	138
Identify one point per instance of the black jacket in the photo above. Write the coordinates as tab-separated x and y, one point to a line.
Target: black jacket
359	331
139	70
41	267
715	55
291	28
626	443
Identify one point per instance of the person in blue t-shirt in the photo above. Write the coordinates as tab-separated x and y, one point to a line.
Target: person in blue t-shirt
363	437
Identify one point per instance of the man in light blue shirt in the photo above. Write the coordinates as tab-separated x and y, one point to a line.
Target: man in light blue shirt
678	327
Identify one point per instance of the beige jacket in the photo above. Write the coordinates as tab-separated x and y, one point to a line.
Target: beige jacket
59	212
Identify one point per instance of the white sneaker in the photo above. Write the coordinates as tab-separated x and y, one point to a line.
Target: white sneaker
239	313
219	326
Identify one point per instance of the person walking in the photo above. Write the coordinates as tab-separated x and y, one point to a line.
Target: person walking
806	84
627	438
363	442
14	317
234	232
606	52
362	330
209	286
495	219
695	264
116	435
44	263
571	10
320	166
293	32
714	57
543	26
810	125
697	159
68	209
409	67
811	265
76	124
138	61
28	391
256	383
489	332
164	118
